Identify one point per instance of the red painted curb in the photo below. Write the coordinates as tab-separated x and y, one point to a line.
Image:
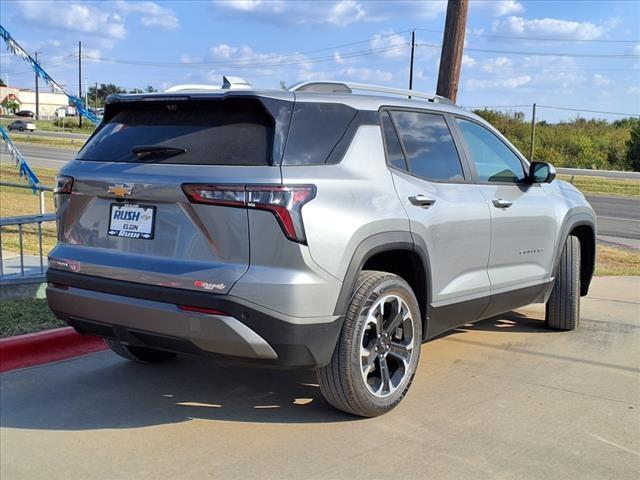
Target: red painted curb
36	348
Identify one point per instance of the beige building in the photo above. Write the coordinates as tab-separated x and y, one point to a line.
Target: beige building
26	100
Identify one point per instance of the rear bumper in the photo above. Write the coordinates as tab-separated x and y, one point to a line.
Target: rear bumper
147	315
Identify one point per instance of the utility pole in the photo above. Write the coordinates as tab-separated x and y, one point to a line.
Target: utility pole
413	47
533	132
452	48
79	81
37	92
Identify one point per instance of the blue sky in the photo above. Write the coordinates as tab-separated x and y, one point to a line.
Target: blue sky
575	54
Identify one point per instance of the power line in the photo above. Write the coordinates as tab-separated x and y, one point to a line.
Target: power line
543	39
589	111
582	110
539	54
246	63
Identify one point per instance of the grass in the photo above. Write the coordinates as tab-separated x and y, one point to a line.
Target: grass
20	201
604	186
26	316
617	261
69	143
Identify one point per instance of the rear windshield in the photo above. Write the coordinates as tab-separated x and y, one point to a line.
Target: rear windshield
237	131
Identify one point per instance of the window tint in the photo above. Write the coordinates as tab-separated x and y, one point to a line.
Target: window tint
495	162
394	151
228	132
431	153
315	130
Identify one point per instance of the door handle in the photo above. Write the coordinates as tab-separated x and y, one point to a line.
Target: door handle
502	203
421	201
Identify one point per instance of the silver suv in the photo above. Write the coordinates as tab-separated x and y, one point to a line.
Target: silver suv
313	228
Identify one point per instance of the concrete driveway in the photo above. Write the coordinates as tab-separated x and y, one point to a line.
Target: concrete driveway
501	399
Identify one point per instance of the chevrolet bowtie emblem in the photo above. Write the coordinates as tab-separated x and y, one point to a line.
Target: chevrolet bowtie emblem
120	190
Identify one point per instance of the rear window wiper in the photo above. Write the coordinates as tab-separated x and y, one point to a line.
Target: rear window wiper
148	151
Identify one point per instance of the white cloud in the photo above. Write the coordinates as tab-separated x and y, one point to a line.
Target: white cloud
468	61
601	80
474	84
393	44
283	13
636	49
367	74
548	27
633	91
555	81
345	12
498	8
260	62
338	58
496	64
186	58
76	17
151	14
432	9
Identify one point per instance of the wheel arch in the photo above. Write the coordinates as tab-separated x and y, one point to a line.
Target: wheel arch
393	252
583	227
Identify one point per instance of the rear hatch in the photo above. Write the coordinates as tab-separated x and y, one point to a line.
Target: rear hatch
122	208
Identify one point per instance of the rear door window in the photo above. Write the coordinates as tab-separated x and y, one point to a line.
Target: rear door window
431	152
236	131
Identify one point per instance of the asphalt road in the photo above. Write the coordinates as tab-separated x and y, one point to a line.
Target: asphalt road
502	399
617	216
41	156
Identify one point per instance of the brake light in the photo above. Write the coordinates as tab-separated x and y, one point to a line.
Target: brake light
64	184
284	201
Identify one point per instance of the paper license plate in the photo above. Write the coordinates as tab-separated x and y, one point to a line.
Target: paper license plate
131	221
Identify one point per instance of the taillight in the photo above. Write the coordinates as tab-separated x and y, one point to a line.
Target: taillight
284	201
64	184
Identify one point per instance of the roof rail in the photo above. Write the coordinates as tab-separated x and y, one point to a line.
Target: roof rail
330	86
228	83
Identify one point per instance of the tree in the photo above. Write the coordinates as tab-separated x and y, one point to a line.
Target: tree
2	84
150	89
103	91
633	147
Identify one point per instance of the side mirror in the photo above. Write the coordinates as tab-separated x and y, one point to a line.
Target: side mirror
541	172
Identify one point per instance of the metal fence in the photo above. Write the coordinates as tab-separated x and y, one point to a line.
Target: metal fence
24	267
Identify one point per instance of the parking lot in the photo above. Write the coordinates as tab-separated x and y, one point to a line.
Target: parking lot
504	398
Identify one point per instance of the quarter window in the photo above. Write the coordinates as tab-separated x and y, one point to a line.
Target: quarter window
394	151
494	161
427	141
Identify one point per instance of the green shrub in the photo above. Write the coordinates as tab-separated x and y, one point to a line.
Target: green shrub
579	143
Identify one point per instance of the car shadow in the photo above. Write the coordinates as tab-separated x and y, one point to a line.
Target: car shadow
104	391
511	322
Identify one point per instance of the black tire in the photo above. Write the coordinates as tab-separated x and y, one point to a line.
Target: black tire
21	129
563	306
342	381
139	354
